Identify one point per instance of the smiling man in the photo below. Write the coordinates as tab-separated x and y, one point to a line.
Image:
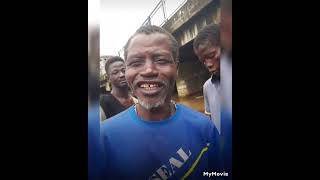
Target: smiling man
119	99
156	138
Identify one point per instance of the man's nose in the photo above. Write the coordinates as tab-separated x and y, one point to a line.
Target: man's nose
122	74
149	69
208	62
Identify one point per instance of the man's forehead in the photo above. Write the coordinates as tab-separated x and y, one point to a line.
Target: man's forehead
155	34
153	51
156	43
149	39
205	47
117	64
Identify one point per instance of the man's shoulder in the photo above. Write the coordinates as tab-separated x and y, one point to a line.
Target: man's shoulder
118	120
106	97
207	83
196	120
194	116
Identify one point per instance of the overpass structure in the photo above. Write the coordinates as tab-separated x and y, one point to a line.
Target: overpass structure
184	23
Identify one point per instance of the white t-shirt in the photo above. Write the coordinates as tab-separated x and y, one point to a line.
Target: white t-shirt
211	93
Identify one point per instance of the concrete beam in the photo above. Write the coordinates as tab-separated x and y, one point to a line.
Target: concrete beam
187	32
188	10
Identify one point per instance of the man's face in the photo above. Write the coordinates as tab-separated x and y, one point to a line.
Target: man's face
209	55
116	74
150	69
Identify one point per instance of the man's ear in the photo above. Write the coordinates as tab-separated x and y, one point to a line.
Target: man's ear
107	77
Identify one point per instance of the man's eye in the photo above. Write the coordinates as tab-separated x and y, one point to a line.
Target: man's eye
136	63
162	61
115	72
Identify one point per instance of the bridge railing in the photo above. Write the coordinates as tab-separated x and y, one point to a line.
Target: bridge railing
163	11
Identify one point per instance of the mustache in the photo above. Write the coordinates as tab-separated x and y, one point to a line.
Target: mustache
122	79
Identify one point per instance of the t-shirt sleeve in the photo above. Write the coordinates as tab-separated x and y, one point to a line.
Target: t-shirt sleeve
105	105
206	102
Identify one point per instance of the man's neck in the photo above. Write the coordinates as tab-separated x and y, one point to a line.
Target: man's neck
120	92
156	114
215	78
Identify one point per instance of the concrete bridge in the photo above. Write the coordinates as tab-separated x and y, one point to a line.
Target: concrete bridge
184	25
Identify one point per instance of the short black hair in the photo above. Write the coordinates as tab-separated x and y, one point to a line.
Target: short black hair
152	29
210	33
110	60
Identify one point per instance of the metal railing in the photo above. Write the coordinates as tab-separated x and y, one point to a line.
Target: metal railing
158	15
174	12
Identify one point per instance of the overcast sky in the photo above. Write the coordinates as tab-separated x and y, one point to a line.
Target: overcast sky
119	19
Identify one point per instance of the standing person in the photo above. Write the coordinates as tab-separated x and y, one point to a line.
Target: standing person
216	92
206	46
119	99
156	138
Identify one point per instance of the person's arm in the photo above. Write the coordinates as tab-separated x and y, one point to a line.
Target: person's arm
102	114
206	104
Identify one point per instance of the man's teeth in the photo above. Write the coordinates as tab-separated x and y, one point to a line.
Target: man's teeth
148	86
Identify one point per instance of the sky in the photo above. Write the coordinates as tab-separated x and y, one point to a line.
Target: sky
93	12
119	19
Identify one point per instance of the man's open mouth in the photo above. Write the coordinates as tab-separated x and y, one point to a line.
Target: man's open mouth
150	87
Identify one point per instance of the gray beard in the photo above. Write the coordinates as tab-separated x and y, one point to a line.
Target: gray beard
147	106
150	106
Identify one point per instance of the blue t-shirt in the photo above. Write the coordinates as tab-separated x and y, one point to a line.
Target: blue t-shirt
183	145
226	142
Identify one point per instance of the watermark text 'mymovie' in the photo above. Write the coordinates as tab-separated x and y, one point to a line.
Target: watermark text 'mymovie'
212	174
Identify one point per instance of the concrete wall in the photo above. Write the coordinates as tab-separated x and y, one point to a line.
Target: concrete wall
189	30
192	74
185	25
184	14
191	77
